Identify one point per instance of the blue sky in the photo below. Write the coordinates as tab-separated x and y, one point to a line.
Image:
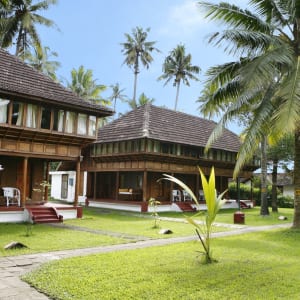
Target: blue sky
90	33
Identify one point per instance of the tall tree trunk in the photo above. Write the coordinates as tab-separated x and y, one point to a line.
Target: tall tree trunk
274	185
264	210
177	95
136	72
296	221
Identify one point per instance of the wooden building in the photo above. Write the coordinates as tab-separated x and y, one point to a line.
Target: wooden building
40	122
134	151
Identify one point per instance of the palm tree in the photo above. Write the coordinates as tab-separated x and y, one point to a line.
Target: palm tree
178	65
117	94
40	61
143	99
18	23
138	50
267	73
83	84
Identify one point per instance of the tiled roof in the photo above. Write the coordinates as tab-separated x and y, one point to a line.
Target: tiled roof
21	80
166	125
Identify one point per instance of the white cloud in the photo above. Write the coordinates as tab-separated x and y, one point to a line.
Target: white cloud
183	19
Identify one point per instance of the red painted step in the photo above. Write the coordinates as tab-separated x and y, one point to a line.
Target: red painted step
44	215
185	206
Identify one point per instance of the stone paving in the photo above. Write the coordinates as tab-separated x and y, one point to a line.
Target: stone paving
12	267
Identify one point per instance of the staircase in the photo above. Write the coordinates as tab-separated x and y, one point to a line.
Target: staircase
43	214
185	206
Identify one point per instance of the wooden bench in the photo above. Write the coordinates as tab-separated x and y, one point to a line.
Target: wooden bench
131	193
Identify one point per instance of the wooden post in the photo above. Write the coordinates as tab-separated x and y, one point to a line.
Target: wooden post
145	186
197	186
117	185
24	187
95	185
47	180
77	186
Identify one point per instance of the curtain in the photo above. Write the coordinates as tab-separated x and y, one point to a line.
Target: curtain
81	127
20	114
3	110
60	120
31	115
70	122
92	125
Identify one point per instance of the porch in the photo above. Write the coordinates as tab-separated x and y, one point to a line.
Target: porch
164	206
16	214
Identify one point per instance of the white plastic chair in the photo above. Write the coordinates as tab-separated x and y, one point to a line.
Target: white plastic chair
186	196
176	195
201	195
12	196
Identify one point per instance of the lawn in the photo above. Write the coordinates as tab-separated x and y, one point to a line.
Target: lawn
128	223
41	238
110	227
117	227
262	265
252	216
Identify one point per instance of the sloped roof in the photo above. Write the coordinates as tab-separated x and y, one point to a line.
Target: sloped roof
283	179
166	125
21	80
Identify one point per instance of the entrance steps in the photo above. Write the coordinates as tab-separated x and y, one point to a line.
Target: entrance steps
44	214
185	206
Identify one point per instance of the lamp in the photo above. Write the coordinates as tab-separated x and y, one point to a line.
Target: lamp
1	168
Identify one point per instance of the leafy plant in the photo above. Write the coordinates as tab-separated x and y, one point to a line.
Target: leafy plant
213	203
154	203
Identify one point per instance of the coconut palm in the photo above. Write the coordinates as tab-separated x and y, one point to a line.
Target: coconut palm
83	84
117	94
265	38
138	50
143	99
40	60
178	65
18	23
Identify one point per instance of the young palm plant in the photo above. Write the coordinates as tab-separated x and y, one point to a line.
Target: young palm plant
213	203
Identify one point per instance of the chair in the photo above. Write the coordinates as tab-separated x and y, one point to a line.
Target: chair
186	196
12	195
176	195
201	195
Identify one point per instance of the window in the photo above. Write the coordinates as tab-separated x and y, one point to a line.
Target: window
3	110
17	114
58	120
92	125
46	118
70	122
81	126
31	116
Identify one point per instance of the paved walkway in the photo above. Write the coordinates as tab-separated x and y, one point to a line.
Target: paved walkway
12	267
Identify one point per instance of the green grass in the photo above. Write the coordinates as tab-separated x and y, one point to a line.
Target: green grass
129	226
45	238
252	216
253	266
131	223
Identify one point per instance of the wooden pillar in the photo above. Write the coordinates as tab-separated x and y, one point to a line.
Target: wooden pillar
145	195
77	185
197	186
47	181
117	184
24	183
94	186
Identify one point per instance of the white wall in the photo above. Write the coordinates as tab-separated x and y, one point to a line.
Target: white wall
56	180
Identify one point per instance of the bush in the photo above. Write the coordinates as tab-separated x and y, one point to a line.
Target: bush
245	192
285	201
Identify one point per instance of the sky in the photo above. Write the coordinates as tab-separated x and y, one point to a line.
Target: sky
90	33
